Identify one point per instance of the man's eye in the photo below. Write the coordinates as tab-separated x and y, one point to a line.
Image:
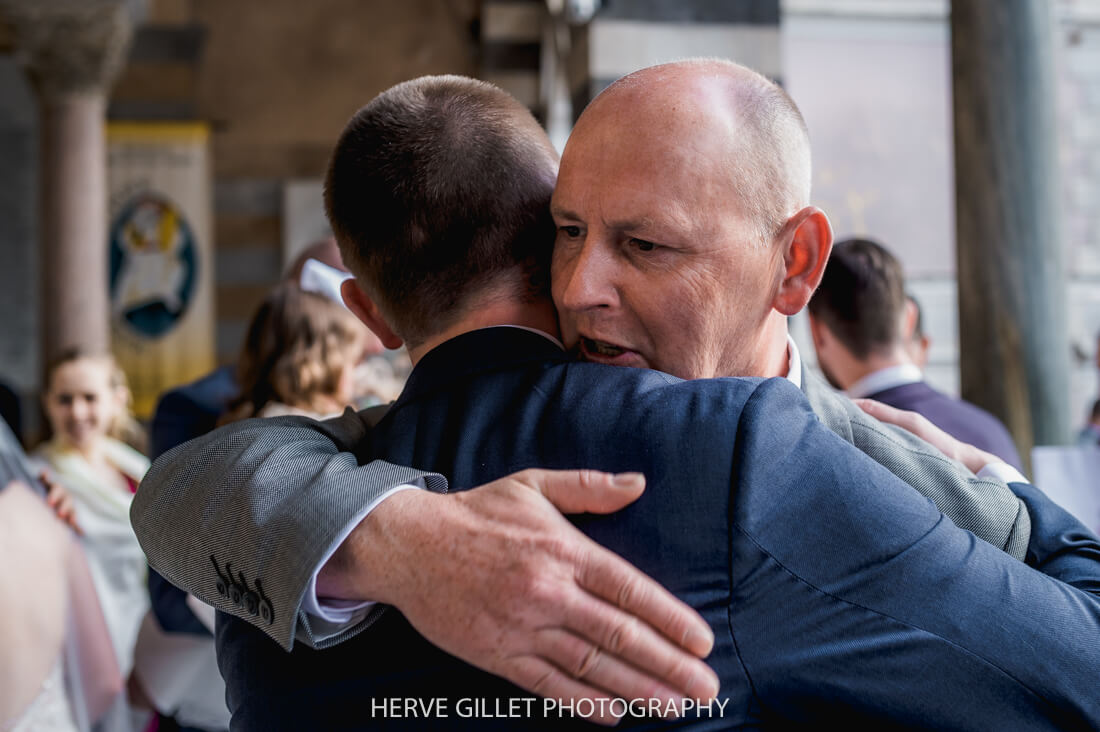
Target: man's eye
642	245
571	231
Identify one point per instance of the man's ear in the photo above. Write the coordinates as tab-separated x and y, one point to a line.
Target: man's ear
806	240
363	307
908	320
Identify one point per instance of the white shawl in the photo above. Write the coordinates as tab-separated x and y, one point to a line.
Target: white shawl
117	563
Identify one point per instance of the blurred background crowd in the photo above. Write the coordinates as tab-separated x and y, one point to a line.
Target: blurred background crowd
168	268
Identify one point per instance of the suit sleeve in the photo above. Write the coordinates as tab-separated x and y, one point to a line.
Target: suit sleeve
984	506
1060	546
854	595
242	517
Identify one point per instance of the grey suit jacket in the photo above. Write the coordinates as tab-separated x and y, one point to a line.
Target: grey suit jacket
242	517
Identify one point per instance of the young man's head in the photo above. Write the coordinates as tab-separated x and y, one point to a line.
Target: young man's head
438	193
859	313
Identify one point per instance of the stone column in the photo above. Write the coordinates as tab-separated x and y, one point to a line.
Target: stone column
72	50
1014	351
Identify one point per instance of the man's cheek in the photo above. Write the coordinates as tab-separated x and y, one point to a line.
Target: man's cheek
568	329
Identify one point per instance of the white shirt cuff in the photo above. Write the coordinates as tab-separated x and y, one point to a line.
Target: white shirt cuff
1002	471
345	612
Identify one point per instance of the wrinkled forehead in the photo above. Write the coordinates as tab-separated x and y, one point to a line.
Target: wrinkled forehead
662	149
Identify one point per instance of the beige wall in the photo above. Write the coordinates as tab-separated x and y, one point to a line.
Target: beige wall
277	80
281	77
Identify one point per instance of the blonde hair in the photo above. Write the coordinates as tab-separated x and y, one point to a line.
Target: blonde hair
297	347
124	427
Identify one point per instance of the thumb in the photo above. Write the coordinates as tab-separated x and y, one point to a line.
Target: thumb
586	491
871	407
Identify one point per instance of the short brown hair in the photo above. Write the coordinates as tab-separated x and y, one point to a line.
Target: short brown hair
861	297
437	188
297	347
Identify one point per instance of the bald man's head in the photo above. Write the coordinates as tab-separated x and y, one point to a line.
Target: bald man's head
685	237
759	139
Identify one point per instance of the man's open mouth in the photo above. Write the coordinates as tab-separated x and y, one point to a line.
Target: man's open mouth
601	348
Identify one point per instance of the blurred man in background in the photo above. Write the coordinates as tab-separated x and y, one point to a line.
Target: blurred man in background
862	322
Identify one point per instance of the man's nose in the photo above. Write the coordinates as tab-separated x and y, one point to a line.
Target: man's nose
589	279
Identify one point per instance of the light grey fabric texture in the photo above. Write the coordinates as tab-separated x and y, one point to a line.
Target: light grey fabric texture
263	499
987	508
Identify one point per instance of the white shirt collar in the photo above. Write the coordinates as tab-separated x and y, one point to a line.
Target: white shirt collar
794	363
883	379
542	333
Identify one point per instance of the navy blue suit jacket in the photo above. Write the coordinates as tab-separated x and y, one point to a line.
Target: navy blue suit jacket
835	591
181	415
962	420
191	410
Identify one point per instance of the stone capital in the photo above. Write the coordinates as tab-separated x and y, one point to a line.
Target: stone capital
70	46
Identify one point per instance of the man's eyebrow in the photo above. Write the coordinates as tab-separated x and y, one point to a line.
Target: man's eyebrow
562	212
640	223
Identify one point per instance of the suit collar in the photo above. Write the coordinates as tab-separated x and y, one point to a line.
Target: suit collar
885	379
480	351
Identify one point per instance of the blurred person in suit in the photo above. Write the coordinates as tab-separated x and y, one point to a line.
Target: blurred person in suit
861	323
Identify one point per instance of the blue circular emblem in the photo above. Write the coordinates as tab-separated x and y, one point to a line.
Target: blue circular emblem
154	265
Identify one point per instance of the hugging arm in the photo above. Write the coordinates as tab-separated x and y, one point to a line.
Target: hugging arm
890	610
985	506
256	507
1059	545
242	517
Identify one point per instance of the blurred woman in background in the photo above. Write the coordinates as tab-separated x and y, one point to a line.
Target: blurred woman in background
84	403
298	358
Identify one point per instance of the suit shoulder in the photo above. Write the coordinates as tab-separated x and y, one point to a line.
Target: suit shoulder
613	382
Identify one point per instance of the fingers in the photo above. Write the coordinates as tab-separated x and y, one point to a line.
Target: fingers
60	501
53	491
608	576
888	414
908	421
628	635
584	491
587	663
539	677
66	511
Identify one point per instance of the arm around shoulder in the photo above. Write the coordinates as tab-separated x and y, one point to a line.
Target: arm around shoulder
243	517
